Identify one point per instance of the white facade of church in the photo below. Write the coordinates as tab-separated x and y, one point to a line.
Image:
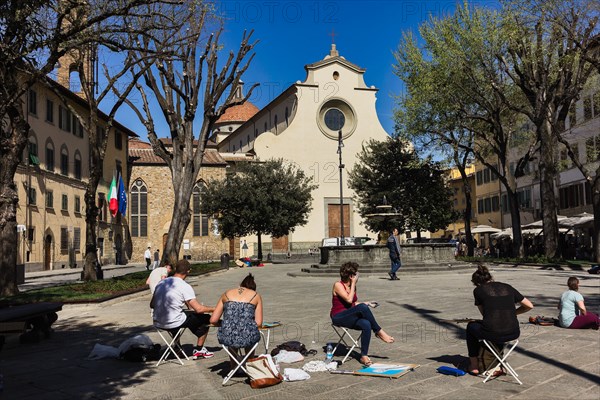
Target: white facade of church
301	125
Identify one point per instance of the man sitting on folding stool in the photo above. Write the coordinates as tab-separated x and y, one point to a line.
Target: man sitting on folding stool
170	296
496	302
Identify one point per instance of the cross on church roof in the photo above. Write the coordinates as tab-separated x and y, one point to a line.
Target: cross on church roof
333	35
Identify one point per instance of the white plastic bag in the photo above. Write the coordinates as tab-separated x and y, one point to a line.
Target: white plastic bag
294	374
101	351
140	341
288	357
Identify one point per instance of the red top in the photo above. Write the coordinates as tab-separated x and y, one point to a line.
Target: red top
338	305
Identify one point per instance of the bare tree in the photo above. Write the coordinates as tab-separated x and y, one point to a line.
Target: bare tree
34	35
191	91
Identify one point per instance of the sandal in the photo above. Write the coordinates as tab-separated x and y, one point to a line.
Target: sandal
474	372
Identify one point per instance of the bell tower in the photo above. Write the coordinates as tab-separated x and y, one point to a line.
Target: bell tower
83	57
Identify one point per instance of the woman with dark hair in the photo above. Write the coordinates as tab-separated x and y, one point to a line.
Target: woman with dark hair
573	314
496	302
347	313
242	312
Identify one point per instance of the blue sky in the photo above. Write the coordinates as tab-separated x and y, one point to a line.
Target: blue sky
295	33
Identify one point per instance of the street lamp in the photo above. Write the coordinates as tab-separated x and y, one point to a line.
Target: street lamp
341	167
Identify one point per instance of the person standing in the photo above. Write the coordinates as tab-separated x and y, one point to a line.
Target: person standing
156	259
148	257
393	245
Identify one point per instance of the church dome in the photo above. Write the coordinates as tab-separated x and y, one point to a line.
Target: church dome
239	113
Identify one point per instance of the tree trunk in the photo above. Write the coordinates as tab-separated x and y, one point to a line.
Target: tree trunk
179	223
596	203
515	217
12	144
548	145
8	233
91	223
260	253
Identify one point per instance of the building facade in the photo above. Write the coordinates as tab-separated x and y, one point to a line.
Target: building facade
301	125
52	179
151	200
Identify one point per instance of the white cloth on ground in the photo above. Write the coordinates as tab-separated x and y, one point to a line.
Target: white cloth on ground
319	366
294	374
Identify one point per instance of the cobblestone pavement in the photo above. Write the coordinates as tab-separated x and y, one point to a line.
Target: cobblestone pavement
553	363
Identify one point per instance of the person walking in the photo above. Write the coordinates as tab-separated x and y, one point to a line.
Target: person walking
156	259
148	257
393	245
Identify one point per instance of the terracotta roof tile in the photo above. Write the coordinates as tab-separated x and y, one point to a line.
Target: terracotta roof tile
241	113
141	153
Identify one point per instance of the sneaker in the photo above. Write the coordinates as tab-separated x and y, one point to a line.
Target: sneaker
201	353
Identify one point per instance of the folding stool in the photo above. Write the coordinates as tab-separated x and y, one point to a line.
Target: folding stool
172	345
502	359
240	363
345	332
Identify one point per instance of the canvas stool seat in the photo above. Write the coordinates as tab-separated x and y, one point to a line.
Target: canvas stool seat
239	362
344	333
511	345
173	346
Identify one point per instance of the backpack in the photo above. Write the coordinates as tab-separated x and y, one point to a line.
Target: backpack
487	361
292	346
142	353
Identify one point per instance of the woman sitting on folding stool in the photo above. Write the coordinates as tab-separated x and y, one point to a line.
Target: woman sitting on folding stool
347	313
496	302
242	313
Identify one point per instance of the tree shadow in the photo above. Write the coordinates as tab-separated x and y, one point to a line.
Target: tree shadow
428	314
58	367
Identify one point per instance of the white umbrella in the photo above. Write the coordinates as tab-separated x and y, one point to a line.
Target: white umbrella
540	223
585	222
505	233
485	229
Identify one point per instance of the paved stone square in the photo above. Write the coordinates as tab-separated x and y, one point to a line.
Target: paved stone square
553	363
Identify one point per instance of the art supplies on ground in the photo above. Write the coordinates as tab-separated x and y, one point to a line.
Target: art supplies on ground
386	370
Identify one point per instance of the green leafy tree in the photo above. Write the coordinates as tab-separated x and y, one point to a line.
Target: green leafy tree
262	198
460	98
552	51
415	188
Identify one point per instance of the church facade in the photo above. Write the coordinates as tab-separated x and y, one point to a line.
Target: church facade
302	125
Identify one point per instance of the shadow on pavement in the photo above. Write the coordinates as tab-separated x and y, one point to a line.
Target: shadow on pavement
428	314
57	367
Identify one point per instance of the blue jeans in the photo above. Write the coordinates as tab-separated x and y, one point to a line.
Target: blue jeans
360	318
396	264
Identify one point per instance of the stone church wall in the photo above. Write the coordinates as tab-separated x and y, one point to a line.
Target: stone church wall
160	205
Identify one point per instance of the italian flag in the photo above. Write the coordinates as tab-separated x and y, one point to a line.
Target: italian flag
113	203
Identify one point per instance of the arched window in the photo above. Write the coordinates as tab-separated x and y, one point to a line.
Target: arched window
287	116
32	152
265	127
49	156
200	221
139	209
275	123
77	168
64	161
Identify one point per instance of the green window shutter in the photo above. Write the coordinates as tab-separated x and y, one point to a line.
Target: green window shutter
34	159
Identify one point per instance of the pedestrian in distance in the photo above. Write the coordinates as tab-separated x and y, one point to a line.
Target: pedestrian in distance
156	259
148	257
393	244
